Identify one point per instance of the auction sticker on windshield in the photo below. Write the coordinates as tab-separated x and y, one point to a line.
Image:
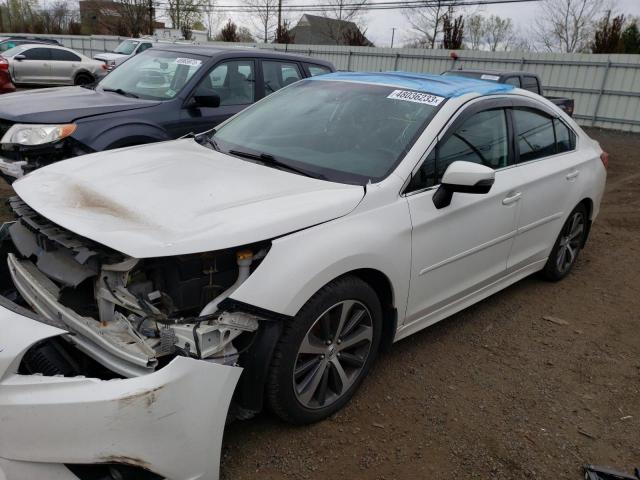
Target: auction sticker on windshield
417	97
192	62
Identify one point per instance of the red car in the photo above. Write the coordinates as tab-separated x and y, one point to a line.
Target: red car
6	84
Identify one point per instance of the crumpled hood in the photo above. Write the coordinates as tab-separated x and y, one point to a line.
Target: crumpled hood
64	104
178	197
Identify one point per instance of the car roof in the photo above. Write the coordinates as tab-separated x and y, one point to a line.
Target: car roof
214	51
444	86
488	71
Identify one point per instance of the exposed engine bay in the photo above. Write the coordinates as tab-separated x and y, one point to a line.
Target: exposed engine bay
131	316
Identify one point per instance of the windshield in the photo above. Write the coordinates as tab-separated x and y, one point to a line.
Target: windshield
342	131
127	47
153	75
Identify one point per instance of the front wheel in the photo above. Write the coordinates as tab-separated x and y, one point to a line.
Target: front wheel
568	245
325	352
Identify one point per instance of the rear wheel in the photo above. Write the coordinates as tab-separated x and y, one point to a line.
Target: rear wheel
325	352
568	245
83	79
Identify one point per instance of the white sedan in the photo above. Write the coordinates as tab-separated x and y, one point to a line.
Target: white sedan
269	260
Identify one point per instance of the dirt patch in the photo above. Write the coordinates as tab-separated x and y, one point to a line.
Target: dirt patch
496	391
5	192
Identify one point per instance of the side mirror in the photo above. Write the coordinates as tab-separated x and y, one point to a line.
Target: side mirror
19	57
211	101
463	177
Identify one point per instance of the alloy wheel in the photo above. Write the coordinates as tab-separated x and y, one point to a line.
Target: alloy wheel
570	242
332	354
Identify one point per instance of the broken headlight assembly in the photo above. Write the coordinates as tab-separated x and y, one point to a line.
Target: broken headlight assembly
131	316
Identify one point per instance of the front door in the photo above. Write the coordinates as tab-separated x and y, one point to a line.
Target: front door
461	248
34	68
234	81
63	66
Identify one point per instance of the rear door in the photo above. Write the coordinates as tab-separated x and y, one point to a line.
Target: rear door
234	81
550	168
35	68
64	64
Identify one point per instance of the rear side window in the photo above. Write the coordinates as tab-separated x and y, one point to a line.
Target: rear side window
63	55
279	74
482	138
565	138
534	134
315	70
530	83
37	54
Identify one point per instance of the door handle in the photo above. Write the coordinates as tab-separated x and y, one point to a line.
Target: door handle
512	198
573	175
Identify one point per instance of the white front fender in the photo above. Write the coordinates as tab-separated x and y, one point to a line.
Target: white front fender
170	422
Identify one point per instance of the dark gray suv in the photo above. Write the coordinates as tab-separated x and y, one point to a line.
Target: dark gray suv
161	94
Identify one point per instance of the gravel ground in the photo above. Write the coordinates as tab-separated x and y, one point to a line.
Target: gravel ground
496	391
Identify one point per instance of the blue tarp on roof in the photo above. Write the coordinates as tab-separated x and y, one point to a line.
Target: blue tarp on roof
444	86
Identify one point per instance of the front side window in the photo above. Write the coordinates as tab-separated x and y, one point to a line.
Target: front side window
279	74
482	138
534	134
154	75
233	82
143	47
37	54
515	81
346	132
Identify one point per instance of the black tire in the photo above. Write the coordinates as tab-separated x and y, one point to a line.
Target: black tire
556	269
83	79
348	293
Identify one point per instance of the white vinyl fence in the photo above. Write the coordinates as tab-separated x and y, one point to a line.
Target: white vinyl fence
606	88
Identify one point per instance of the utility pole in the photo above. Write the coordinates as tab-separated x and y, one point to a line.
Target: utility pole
393	34
151	19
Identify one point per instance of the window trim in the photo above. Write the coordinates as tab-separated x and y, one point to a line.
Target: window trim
478	104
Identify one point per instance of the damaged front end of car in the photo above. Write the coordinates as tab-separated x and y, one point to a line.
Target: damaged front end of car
126	363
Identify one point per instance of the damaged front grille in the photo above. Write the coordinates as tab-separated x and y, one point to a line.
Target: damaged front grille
63	256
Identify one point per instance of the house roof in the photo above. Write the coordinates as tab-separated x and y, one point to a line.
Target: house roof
317	30
444	86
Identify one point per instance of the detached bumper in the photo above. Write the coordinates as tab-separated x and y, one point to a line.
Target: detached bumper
170	422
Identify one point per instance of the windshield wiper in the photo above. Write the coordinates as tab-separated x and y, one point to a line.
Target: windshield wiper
207	138
119	91
268	159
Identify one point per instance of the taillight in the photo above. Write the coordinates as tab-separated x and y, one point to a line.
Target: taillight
604	156
104	66
4	64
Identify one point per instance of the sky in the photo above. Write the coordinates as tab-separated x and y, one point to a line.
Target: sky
380	23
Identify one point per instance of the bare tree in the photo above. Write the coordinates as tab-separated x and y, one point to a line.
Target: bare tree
428	21
135	15
567	25
497	32
184	13
264	17
453	32
474	29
